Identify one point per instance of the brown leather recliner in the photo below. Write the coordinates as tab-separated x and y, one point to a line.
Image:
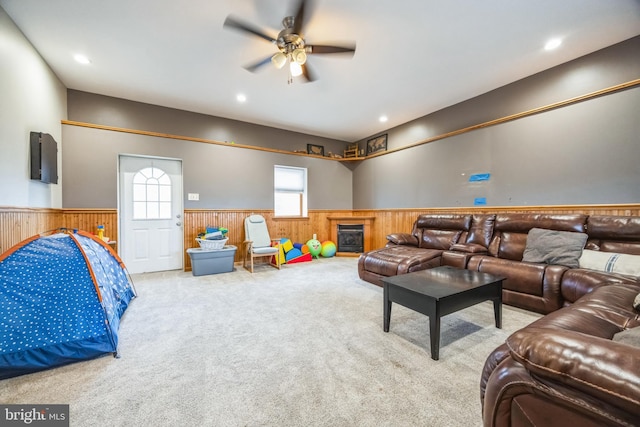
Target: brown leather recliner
419	250
563	369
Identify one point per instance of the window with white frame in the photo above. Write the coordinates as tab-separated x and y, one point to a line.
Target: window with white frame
151	194
290	191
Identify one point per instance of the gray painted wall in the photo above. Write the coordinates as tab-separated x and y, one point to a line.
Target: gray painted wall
32	99
104	110
226	177
583	154
611	66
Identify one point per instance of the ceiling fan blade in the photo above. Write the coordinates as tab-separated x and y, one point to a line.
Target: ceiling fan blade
254	66
299	16
307	73
236	24
316	49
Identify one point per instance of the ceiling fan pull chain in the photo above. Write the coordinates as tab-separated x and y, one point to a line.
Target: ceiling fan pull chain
290	78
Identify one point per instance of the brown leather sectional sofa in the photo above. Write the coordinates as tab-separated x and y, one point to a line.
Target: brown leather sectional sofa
564	368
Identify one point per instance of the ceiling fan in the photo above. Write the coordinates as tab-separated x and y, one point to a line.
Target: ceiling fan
292	47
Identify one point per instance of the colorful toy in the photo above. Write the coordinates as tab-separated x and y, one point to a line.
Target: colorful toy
291	253
315	247
281	254
328	249
303	247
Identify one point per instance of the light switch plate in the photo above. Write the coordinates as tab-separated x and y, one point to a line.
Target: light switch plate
193	196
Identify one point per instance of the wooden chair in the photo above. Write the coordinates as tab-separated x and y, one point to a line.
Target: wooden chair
257	241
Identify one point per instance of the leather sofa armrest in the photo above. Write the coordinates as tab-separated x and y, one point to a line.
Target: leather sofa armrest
598	367
470	248
403	239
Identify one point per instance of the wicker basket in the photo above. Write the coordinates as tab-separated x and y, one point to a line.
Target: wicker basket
211	244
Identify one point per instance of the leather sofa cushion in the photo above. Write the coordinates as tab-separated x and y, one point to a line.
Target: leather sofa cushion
528	278
439	239
614	227
596	367
471	248
481	230
394	260
440	231
403	239
510	231
578	282
511	246
614	234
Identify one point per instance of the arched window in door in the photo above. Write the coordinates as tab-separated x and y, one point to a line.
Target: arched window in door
151	194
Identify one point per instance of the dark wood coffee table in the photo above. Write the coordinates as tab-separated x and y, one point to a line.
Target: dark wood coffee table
441	291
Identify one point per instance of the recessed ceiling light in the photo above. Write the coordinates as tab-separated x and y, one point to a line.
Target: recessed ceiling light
552	44
383	119
82	59
241	97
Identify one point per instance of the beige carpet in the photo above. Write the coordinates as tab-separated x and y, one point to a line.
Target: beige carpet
303	346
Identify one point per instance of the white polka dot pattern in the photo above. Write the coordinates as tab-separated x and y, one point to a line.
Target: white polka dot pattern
50	306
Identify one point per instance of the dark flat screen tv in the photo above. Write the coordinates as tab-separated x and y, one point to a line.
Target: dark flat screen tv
44	157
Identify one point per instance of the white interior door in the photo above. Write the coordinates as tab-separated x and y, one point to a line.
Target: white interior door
150	209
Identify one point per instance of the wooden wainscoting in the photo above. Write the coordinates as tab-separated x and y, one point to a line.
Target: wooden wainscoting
89	219
17	224
299	230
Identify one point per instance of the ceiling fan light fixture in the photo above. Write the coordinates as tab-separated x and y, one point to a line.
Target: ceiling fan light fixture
295	68
279	59
299	56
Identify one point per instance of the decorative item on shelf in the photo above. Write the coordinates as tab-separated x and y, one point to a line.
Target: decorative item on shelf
377	144
351	151
334	156
316	150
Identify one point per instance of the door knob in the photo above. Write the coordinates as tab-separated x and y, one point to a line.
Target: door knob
178	216
178	223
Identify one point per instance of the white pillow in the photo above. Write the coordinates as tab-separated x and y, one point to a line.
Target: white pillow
611	262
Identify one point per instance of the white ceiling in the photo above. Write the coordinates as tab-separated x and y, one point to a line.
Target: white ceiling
413	57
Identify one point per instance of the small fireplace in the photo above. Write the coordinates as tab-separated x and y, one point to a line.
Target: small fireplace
351	238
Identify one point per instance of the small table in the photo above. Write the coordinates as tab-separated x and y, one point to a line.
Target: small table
441	291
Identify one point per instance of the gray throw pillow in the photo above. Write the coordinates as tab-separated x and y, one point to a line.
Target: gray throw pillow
628	336
554	247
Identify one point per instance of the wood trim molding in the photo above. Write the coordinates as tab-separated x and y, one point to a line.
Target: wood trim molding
19	223
187	138
606	91
542	109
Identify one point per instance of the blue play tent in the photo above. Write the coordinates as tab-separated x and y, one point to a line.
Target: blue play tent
62	295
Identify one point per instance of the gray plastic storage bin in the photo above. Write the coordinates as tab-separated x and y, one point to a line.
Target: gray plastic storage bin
211	261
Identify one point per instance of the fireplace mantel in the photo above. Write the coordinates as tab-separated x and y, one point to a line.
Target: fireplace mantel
365	221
